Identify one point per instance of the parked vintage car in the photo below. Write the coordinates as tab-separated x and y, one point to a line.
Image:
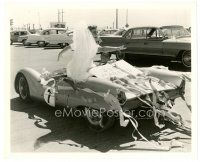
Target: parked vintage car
60	37
116	86
167	42
52	36
14	35
23	38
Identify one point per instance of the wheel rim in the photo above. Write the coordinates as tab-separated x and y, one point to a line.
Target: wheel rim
23	88
186	59
24	42
41	44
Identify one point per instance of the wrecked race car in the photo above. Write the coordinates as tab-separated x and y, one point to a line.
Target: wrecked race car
116	86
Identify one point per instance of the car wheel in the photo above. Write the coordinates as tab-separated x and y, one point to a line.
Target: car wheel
63	45
41	44
98	121
105	57
23	88
11	42
24	42
120	55
186	59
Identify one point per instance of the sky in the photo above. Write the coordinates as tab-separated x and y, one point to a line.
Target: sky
138	15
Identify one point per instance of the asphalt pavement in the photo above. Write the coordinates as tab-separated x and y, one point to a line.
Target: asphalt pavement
34	126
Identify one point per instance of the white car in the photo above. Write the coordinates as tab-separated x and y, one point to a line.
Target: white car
52	36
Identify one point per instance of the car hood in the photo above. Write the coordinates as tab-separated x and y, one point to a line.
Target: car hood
133	81
179	39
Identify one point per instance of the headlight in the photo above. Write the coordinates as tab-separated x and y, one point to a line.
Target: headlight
121	97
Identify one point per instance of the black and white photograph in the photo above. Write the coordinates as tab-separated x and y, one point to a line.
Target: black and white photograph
101	78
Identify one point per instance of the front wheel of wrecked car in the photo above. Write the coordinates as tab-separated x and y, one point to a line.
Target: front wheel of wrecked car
98	121
22	88
186	59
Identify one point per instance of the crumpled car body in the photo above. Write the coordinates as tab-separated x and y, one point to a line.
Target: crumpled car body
116	86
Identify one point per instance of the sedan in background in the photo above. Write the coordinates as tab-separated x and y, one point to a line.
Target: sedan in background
14	35
167	42
52	36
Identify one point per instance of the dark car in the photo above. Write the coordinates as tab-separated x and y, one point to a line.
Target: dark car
167	42
14	35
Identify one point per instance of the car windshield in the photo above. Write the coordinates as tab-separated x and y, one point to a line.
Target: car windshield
175	32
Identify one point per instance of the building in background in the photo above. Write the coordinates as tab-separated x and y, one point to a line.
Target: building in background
57	24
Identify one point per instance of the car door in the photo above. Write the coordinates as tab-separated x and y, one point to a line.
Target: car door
61	36
64	90
50	36
153	45
134	41
45	36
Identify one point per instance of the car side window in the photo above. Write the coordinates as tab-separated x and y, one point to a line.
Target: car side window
61	31
16	33
154	33
139	34
46	32
53	32
23	33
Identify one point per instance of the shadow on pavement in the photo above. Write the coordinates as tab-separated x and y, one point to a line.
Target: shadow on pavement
76	129
19	45
32	46
52	47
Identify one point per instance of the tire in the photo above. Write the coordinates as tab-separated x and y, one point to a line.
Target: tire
24	42
41	44
63	45
186	59
120	55
22	88
105	57
100	123
11	42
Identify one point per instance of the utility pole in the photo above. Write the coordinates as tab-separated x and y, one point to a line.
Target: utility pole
126	19
58	16
116	18
11	24
39	20
62	14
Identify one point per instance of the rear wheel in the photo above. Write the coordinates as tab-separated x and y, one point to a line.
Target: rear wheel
24	42
23	88
120	55
41	44
186	59
63	45
99	121
11	42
